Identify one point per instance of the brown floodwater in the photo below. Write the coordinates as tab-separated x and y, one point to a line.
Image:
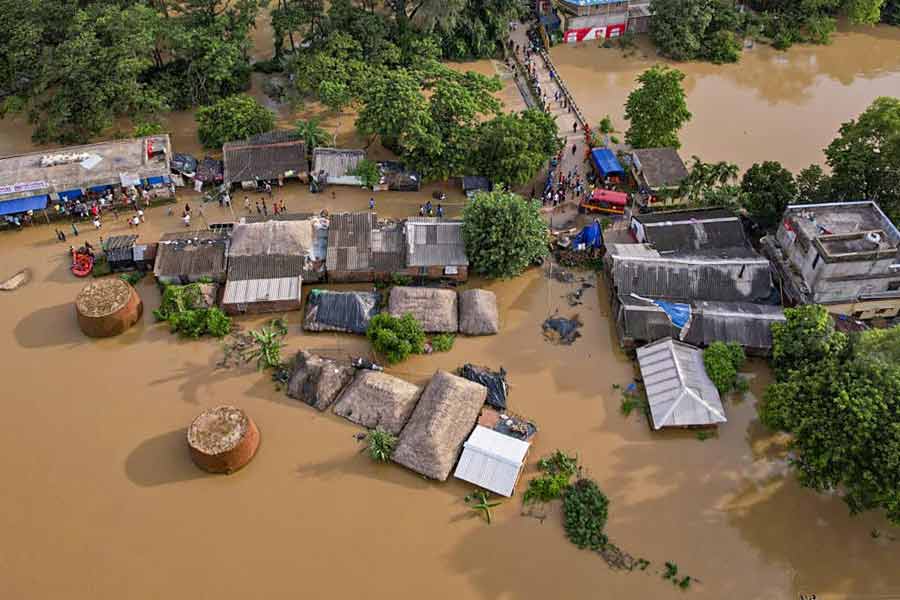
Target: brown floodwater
784	106
101	501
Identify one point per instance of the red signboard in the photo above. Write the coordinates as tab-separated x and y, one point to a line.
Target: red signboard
594	33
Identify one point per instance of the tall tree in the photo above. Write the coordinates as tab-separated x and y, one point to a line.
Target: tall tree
767	190
865	157
511	148
657	109
813	185
233	118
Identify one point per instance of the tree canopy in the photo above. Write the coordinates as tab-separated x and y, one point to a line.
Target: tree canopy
839	397
504	233
233	118
511	148
696	29
657	109
767	189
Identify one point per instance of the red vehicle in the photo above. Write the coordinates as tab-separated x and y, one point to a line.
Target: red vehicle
605	201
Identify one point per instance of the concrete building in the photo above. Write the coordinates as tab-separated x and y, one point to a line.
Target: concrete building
34	180
843	255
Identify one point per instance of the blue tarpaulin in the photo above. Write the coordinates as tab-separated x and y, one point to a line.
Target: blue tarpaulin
157	180
99	188
20	205
591	237
606	162
679	313
70	195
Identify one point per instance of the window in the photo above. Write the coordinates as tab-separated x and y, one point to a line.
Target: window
451	271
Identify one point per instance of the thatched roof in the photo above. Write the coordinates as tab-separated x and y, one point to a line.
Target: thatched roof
478	313
376	400
431	442
291	238
266	156
318	381
435	309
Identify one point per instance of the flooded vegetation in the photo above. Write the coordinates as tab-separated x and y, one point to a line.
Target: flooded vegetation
101	499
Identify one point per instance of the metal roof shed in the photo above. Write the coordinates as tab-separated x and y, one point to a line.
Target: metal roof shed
492	460
679	391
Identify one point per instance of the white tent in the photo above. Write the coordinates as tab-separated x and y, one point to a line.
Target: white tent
679	391
492	460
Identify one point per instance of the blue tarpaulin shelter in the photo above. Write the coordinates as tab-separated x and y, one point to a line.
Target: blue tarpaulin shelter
20	205
679	313
70	195
591	237
606	163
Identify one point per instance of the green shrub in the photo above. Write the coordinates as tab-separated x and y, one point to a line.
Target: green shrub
145	129
369	172
443	342
722	362
381	445
267	351
218	324
585	510
183	308
558	470
396	338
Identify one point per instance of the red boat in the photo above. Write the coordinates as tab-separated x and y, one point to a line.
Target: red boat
605	201
82	264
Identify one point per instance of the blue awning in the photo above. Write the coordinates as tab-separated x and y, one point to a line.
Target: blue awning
20	205
70	195
157	180
606	162
99	189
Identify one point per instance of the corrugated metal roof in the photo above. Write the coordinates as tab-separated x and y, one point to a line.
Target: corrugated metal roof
679	391
267	156
661	167
337	162
432	242
727	275
492	460
693	230
262	290
271	266
191	254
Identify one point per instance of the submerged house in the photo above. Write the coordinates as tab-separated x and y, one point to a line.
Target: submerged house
360	248
748	324
435	309
679	391
267	263
346	312
492	460
444	417
272	156
694	229
658	172
435	249
378	401
191	256
336	166
843	255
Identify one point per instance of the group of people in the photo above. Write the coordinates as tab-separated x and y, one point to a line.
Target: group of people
278	206
566	186
428	210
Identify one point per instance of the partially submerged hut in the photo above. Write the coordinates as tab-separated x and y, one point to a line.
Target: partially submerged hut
318	381
360	248
435	249
347	312
445	415
377	400
275	155
119	251
435	309
337	165
187	257
492	461
679	391
478	313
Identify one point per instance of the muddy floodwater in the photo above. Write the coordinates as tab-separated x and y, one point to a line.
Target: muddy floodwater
784	106
101	501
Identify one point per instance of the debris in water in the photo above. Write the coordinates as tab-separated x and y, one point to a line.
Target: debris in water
562	276
563	331
495	382
16	281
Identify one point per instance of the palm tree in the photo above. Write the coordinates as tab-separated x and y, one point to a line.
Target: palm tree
312	133
724	172
481	504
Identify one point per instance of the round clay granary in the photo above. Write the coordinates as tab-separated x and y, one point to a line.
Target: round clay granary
222	439
107	307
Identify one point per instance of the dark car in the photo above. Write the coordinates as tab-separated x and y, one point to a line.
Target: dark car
183	163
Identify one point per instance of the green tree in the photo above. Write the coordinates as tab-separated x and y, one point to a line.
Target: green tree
368	172
233	118
722	362
890	12
396	338
657	109
842	407
510	149
312	133
813	185
695	29
146	128
504	233
767	190
865	157
864	11
805	339
710	184
393	106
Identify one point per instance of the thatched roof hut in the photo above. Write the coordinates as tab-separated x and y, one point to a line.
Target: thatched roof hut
478	313
444	417
318	381
435	309
376	400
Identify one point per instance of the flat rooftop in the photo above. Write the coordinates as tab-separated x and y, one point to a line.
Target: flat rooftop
79	167
843	228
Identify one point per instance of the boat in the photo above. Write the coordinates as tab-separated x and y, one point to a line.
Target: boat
82	264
